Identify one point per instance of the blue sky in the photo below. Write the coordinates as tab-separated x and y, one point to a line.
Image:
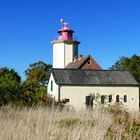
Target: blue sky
107	29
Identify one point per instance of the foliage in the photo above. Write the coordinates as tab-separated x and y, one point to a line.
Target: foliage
35	86
30	93
69	123
132	64
10	86
98	99
127	126
38	73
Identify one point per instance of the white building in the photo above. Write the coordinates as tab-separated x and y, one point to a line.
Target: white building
78	79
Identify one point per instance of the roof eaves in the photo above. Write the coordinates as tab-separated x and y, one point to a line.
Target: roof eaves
112	85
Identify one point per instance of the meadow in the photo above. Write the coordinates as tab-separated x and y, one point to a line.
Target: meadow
41	123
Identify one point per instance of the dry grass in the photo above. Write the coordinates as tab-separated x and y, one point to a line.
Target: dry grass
52	124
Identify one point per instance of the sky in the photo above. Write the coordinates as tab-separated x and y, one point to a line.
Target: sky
107	29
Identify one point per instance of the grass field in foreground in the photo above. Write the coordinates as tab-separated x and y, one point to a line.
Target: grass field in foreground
53	124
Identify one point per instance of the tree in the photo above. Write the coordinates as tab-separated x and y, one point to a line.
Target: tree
35	86
38	73
10	86
132	64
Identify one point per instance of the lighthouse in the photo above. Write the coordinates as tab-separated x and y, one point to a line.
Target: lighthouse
65	47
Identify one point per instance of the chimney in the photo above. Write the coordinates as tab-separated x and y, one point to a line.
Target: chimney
75	58
80	57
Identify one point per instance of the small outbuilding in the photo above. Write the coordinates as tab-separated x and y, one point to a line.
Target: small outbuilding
77	86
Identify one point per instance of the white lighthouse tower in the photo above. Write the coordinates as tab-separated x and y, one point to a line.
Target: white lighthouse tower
65	48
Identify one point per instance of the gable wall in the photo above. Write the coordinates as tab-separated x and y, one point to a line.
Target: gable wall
53	93
92	65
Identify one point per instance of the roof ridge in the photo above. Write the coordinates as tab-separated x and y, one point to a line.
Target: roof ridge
87	69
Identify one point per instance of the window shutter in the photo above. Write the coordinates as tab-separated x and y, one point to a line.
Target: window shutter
51	85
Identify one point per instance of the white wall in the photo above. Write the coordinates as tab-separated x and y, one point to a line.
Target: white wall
77	94
68	53
62	53
53	93
58	55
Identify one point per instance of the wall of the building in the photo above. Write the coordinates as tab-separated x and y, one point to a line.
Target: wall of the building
68	54
62	53
54	91
77	95
91	64
58	55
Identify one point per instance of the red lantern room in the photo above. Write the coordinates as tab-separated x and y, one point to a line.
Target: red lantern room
65	33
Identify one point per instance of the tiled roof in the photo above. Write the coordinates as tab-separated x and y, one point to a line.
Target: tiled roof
80	63
93	77
77	64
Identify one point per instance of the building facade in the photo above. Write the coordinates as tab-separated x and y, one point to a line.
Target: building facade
79	79
111	87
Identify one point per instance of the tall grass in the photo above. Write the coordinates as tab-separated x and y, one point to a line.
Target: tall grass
54	124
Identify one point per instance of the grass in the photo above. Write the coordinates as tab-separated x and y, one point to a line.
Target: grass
53	124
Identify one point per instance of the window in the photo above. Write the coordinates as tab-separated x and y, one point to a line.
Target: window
125	98
89	62
51	85
102	99
110	98
89	101
117	98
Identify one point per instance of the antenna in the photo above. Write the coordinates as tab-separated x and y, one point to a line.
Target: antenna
63	23
61	20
